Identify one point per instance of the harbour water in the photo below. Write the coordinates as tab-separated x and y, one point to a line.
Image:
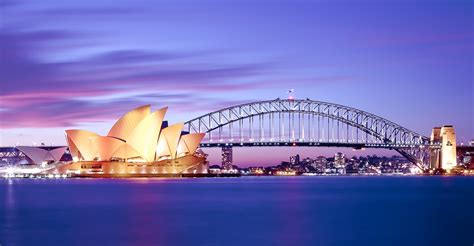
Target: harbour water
238	211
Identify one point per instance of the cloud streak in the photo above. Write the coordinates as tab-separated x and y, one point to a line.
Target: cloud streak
41	93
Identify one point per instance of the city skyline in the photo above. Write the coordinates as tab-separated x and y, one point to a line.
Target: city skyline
410	63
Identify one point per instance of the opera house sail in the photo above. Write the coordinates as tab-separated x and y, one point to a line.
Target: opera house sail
140	143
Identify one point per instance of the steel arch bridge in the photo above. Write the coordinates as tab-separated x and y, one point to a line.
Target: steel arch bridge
292	122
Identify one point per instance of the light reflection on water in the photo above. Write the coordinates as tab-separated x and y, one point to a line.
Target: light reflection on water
239	211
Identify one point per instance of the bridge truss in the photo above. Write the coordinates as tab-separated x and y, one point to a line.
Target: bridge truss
291	122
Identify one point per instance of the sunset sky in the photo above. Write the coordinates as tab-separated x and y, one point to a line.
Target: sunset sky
82	64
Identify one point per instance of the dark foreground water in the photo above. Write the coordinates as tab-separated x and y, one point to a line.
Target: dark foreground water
239	211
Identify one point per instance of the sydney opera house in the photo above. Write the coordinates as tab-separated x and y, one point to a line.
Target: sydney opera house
139	144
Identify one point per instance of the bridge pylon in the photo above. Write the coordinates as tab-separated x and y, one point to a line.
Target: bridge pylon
443	157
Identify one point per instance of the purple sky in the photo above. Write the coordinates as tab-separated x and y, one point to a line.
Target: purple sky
82	64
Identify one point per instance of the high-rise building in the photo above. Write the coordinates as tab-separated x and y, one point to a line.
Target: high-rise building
227	158
448	147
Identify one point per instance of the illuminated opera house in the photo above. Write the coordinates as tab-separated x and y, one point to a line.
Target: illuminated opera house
139	144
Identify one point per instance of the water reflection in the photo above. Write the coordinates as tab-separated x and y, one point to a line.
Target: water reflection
240	211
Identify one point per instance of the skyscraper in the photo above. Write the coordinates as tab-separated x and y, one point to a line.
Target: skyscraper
227	158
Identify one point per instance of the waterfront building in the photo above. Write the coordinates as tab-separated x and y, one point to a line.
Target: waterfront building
26	160
214	169
340	163
465	156
256	170
41	155
139	143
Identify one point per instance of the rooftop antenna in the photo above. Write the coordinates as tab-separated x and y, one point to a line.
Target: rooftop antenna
291	94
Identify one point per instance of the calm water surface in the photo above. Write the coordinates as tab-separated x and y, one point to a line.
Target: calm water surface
239	211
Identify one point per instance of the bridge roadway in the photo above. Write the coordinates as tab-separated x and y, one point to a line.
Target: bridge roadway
220	144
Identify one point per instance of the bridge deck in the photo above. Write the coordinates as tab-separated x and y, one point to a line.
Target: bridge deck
310	144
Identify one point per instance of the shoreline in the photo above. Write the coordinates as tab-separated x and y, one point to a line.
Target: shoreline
213	175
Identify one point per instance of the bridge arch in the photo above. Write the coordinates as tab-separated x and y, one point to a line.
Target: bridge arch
306	122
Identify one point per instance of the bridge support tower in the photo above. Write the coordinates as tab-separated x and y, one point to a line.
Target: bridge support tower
445	157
